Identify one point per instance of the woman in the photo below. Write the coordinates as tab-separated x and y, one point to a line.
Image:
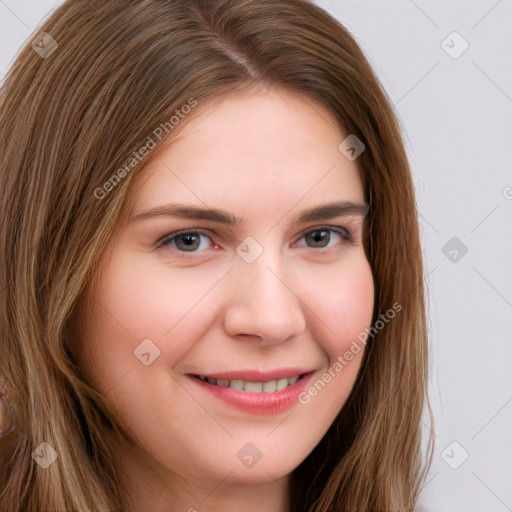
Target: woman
211	275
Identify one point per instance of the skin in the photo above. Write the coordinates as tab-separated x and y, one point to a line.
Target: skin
264	156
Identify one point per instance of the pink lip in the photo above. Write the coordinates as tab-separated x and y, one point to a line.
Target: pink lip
257	403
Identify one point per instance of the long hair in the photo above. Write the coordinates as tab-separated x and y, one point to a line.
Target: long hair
80	99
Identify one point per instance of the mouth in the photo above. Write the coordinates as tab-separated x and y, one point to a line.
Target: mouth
256	392
250	386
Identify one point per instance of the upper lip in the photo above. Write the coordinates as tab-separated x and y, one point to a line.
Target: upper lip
257	375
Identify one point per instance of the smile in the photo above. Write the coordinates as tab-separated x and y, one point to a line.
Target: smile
270	386
255	392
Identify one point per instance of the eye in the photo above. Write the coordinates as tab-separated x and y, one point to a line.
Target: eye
186	241
196	241
324	237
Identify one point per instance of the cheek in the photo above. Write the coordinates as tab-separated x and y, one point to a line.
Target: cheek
355	300
343	301
135	301
150	298
345	308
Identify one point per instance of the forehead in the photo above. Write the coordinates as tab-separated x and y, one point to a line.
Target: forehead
257	151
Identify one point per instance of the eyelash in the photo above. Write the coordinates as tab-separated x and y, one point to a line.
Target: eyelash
343	232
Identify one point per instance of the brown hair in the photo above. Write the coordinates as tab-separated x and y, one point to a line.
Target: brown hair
69	120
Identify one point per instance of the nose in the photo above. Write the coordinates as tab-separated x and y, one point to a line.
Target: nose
263	303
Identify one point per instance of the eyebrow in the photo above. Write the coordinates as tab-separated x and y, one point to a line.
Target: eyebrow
321	212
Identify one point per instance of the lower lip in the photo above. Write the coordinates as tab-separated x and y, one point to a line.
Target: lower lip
259	403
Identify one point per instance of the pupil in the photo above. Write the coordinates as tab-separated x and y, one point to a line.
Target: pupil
319	238
189	241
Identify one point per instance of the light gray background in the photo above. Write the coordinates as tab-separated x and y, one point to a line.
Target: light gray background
456	115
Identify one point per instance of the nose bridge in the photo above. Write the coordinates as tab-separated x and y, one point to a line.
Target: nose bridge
264	303
265	279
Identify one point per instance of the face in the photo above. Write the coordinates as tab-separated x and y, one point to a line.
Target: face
237	282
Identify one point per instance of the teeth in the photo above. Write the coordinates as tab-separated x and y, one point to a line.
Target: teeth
281	384
270	386
237	384
253	387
